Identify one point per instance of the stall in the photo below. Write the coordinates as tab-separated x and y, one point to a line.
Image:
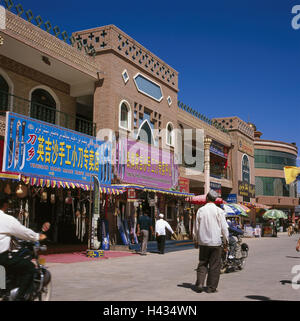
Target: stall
55	168
150	177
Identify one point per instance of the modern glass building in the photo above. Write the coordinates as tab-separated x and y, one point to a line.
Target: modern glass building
270	158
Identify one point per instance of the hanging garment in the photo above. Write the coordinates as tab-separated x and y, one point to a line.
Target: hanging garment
26	214
83	223
78	220
21	214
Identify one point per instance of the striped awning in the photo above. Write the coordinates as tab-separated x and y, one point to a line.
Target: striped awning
4	175
35	181
155	190
256	205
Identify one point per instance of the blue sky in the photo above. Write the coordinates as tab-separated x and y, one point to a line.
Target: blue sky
234	58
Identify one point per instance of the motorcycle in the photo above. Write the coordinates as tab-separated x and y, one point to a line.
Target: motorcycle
42	286
234	259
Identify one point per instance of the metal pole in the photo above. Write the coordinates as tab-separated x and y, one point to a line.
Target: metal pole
207	143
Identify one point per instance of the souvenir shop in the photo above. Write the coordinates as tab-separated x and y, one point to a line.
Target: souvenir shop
148	186
47	176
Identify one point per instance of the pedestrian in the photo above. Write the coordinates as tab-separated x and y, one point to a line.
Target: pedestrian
274	226
209	226
144	226
181	230
298	246
160	230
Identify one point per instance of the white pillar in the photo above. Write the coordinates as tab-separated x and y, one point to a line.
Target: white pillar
207	143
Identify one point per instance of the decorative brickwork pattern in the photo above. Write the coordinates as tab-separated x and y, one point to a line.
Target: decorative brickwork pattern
235	123
111	38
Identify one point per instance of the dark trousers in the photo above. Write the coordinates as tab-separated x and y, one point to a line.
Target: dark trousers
161	241
20	268
210	265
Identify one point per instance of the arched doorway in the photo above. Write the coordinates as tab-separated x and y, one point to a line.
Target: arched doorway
43	106
4	91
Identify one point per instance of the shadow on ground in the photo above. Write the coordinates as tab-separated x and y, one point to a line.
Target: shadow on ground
283	282
188	286
258	297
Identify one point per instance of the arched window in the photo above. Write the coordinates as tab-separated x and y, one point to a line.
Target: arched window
4	91
245	169
125	116
170	134
145	133
43	106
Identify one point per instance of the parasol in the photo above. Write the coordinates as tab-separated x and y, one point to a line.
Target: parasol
201	200
274	214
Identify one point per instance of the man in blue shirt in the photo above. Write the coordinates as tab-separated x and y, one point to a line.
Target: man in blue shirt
143	226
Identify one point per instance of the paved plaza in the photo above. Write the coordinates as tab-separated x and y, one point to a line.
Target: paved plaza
170	277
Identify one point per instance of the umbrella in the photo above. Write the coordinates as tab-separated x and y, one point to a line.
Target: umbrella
230	210
201	200
241	209
274	214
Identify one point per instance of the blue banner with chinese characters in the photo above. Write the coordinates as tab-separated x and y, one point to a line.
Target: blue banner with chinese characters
37	148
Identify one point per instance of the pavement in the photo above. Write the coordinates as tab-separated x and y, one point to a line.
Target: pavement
271	272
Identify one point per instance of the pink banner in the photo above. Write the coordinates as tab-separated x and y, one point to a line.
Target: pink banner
142	164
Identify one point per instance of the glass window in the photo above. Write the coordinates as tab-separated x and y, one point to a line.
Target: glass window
245	169
43	106
269	186
148	87
170	135
124	116
271	159
4	90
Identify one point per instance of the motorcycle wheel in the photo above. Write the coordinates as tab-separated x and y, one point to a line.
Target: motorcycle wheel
223	267
242	264
46	293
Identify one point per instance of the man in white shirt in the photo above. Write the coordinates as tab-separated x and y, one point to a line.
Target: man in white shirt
18	265
160	231
209	226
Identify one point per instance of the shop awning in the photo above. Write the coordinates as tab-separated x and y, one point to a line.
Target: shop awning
4	175
35	181
256	205
155	190
201	200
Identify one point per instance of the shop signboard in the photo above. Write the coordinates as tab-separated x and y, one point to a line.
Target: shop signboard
218	149
216	187
142	164
184	185
246	189
231	198
36	148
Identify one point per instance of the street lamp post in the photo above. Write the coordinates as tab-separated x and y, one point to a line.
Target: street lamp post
207	143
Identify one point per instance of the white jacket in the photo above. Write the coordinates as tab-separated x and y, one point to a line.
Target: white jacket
210	225
10	226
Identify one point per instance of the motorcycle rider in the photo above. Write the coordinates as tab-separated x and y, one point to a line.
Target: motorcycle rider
232	239
12	262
